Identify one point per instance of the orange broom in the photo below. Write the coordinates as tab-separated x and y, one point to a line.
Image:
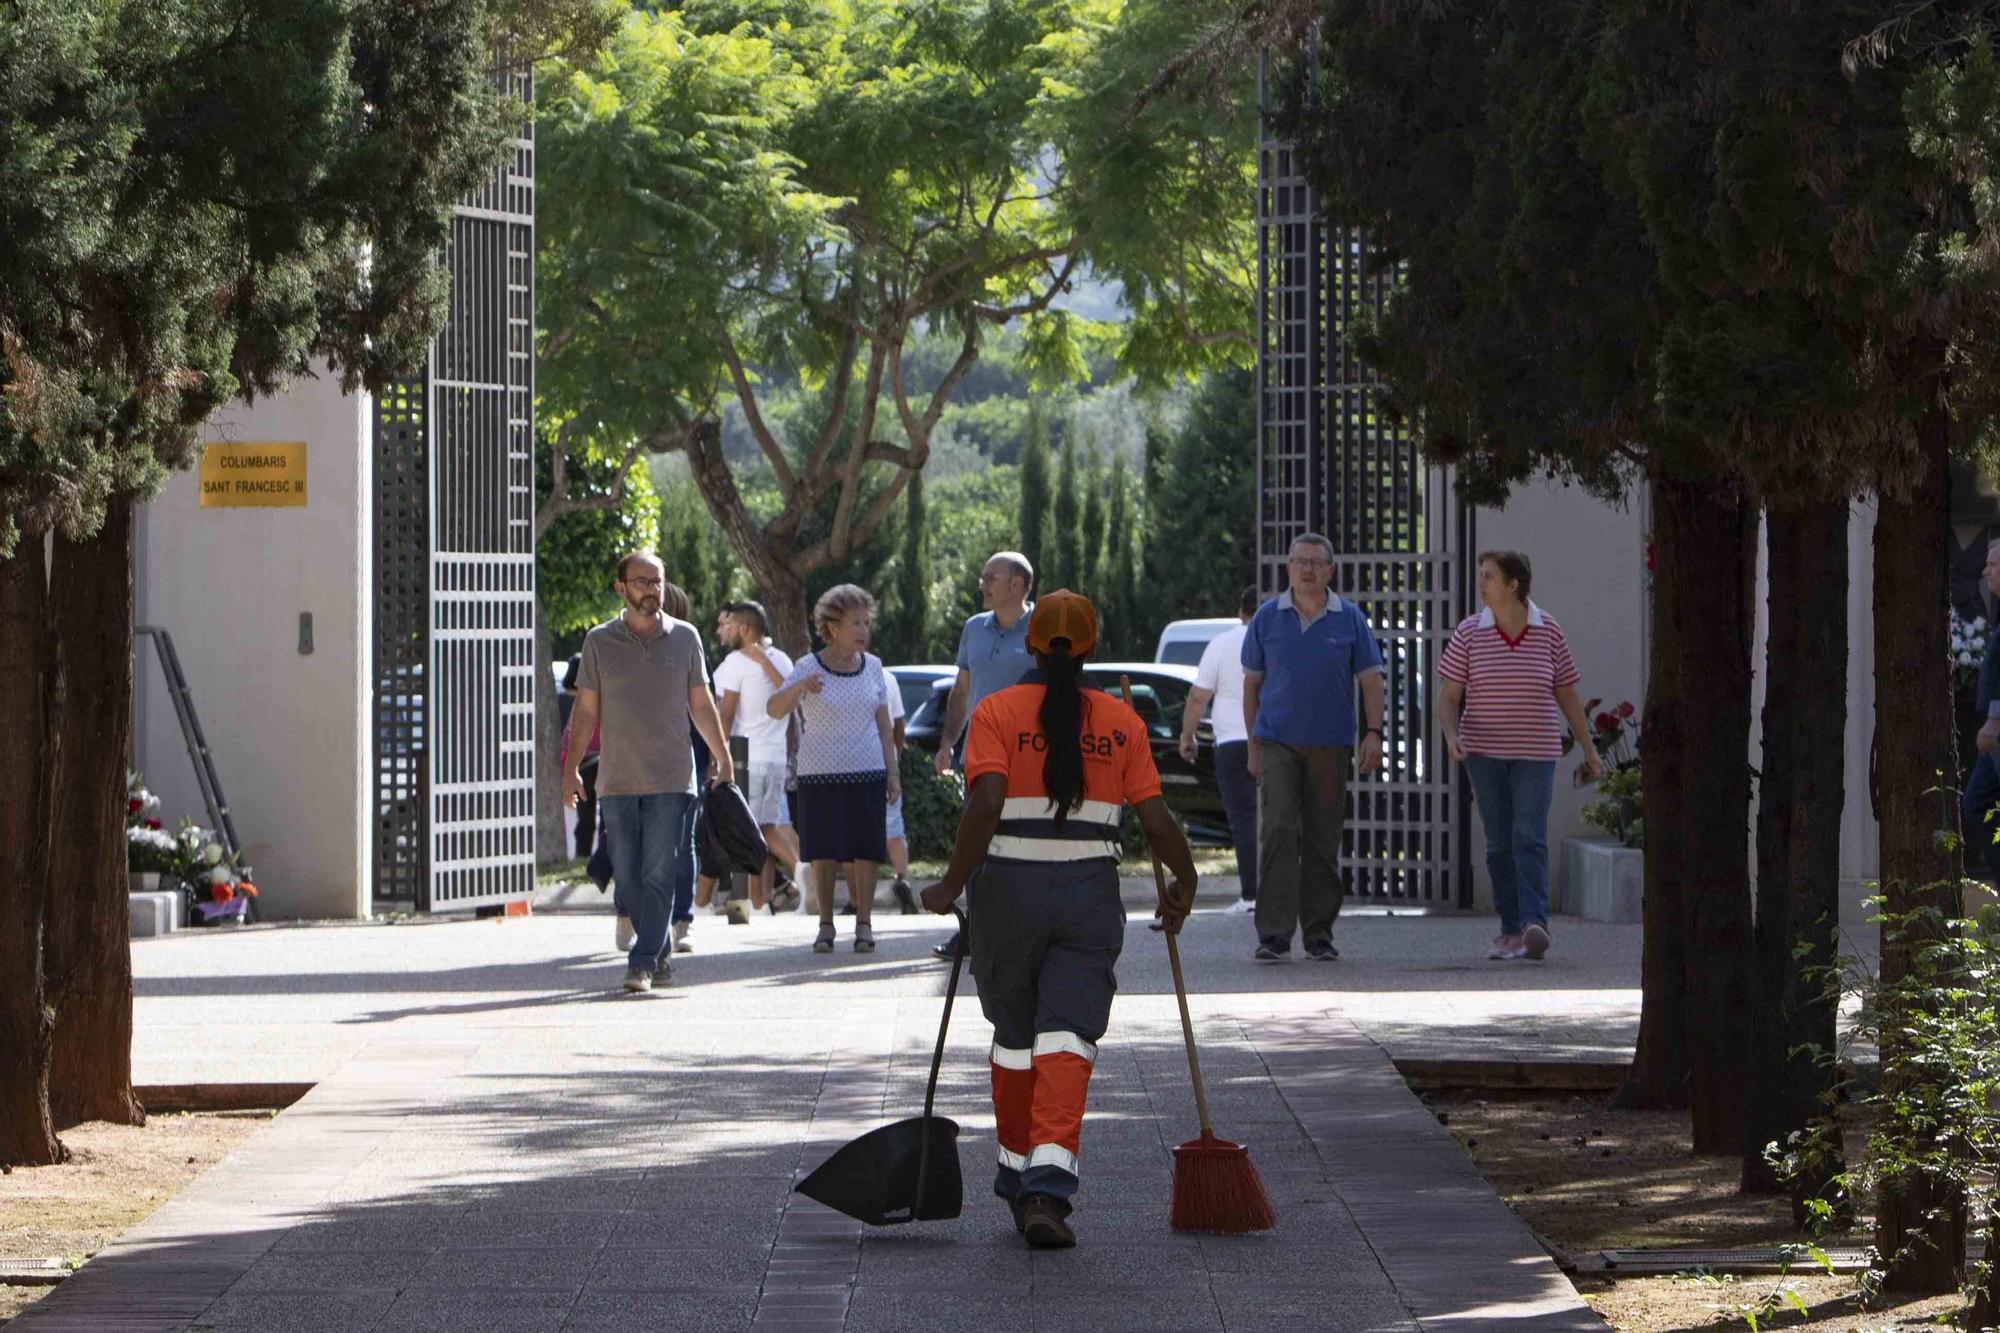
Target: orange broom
1216	1188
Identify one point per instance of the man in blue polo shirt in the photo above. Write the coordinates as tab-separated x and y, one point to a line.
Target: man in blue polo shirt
1303	652
992	655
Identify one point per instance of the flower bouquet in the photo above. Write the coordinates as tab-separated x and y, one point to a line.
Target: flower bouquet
1968	648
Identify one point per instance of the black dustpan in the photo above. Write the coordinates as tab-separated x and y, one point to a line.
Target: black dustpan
906	1171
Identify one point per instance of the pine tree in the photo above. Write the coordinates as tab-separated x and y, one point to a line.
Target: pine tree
1092	534
1035	488
1068	541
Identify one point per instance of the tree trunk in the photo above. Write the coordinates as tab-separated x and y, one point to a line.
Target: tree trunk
1915	775
550	842
27	1133
1800	800
1696	798
89	946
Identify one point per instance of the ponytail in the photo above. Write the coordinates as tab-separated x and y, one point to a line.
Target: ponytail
1062	725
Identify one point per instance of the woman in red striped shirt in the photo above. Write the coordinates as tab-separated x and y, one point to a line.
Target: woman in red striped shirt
1504	676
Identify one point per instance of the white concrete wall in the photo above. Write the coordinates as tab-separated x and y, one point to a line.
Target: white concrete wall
289	732
1589	562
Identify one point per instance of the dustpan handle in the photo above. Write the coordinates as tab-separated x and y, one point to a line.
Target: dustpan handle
937	1061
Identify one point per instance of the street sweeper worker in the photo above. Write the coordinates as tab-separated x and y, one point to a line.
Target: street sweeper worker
1049	764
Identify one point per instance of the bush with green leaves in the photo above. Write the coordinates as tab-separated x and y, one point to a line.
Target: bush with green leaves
931	806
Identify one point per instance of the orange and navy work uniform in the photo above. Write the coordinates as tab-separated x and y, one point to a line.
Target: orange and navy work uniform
1047	925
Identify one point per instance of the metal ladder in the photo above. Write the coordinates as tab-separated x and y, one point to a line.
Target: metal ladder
204	762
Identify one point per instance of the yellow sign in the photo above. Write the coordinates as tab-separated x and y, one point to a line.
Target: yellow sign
270	475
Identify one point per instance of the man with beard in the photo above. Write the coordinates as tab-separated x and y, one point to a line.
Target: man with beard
642	682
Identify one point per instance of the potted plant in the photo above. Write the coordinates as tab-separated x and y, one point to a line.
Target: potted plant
1604	878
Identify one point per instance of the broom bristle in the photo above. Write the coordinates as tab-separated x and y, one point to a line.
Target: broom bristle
1217	1190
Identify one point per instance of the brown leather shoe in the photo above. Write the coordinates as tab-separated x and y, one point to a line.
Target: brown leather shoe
1043	1225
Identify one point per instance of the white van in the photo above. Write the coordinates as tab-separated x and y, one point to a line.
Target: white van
1183	640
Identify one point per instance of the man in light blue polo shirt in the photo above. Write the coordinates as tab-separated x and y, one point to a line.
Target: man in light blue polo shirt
1302	654
992	655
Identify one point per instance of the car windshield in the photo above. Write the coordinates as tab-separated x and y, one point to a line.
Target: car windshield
1184	652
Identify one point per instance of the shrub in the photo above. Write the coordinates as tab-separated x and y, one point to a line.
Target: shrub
931	806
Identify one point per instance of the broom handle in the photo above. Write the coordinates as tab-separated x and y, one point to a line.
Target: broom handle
937	1063
1174	960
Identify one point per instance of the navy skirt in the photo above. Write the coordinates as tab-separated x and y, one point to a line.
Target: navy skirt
843	819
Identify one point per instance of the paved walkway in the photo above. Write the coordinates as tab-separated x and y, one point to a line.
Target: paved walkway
498	1142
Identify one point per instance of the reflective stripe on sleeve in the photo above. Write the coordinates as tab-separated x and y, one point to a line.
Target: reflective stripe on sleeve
1064	1043
1006	1057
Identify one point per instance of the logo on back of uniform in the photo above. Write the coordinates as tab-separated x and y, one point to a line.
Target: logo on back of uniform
1094	747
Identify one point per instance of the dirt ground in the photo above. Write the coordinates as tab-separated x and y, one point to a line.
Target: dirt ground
115	1177
1586	1178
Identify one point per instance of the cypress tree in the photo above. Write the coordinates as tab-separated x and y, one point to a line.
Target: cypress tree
1068	537
1035	489
913	562
1092	534
1120	587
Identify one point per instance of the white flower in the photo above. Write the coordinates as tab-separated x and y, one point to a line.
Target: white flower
220	875
212	853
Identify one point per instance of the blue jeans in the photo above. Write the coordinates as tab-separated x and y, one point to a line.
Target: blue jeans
1982	793
651	839
1513	797
1239	800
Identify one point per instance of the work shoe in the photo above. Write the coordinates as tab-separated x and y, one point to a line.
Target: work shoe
1323	952
864	937
625	934
1043	1225
638	980
681	944
1268	952
1241	906
906	898
663	971
824	944
1534	941
1504	946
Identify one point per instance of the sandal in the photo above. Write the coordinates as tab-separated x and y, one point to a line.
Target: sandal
824	944
864	937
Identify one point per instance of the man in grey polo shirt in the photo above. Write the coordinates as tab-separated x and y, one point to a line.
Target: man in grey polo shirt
992	655
643	678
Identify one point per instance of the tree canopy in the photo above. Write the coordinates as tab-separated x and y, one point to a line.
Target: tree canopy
735	191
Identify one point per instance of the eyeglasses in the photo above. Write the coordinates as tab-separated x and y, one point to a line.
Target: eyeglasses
1310	562
642	583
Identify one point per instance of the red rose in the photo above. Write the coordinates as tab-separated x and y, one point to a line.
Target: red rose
221	893
134	805
152	823
1606	722
1625	709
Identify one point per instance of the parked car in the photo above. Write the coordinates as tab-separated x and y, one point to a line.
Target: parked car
1159	696
1182	641
915	682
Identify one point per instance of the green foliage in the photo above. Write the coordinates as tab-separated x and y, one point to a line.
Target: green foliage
577	558
688	549
931	806
739	194
973	517
906	630
1036	501
1123	635
203	201
1617	812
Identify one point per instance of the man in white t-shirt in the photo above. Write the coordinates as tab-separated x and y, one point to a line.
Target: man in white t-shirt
744	683
1220	678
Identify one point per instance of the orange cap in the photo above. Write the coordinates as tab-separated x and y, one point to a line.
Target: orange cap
1063	614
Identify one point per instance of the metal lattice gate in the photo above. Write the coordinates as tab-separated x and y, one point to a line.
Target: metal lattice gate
1329	462
455	573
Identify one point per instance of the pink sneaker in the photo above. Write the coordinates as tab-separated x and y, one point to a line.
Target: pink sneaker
1505	946
1534	941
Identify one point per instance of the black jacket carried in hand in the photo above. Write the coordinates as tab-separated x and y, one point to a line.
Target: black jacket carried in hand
726	819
